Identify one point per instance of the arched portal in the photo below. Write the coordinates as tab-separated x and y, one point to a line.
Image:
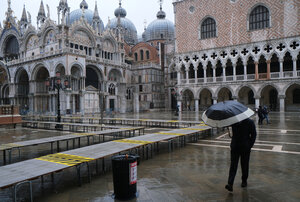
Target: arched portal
188	100
246	96
76	85
41	91
292	98
205	99
22	90
93	86
224	94
269	98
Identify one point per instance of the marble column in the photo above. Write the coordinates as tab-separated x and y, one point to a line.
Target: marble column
281	68
68	104
196	105
187	75
214	74
196	76
82	104
256	71
294	67
257	102
224	73
234	72
245	71
178	78
215	100
282	102
205	78
268	69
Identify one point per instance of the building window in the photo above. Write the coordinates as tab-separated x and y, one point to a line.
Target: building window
147	55
142	54
259	18
128	94
141	88
112	89
208	29
135	57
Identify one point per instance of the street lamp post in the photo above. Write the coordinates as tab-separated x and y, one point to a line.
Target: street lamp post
55	84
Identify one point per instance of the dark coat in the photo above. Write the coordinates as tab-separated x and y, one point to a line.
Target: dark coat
243	135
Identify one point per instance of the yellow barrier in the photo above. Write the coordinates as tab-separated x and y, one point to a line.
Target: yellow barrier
177	134
83	134
65	159
140	142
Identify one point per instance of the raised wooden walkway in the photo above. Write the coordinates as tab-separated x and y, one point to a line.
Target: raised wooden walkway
119	121
23	172
74	127
115	133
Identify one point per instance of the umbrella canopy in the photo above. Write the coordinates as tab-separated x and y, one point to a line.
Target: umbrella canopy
226	113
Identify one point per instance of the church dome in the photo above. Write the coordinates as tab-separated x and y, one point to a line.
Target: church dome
161	28
128	27
88	14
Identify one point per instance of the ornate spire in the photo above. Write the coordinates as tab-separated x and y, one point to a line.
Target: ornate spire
41	18
41	12
96	13
24	16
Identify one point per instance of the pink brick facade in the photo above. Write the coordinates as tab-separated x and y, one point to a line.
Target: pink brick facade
232	22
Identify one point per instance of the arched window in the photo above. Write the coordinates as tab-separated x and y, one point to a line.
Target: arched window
112	89
259	18
142	54
135	57
208	28
147	55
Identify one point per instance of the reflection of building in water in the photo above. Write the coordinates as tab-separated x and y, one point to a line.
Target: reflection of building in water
97	61
242	50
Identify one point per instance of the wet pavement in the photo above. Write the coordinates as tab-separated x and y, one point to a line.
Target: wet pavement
196	172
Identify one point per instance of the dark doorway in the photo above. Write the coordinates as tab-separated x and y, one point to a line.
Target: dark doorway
273	99
112	105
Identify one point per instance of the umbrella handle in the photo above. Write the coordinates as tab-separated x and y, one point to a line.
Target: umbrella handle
229	132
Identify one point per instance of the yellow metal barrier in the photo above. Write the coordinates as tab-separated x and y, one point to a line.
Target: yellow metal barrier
162	133
140	142
65	159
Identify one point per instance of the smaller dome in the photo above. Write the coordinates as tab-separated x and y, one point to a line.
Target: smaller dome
120	12
161	15
84	5
161	28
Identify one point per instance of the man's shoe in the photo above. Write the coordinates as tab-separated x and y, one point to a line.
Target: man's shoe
229	187
244	184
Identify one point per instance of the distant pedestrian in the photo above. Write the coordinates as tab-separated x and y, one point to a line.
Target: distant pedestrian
260	115
243	138
265	112
177	110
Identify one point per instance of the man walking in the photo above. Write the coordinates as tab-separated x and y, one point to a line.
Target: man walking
243	138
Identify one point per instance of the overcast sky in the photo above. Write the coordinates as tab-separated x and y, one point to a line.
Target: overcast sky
137	10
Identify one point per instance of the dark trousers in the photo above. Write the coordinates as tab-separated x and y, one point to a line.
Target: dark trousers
235	155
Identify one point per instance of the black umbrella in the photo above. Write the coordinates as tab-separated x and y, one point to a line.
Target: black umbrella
226	113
